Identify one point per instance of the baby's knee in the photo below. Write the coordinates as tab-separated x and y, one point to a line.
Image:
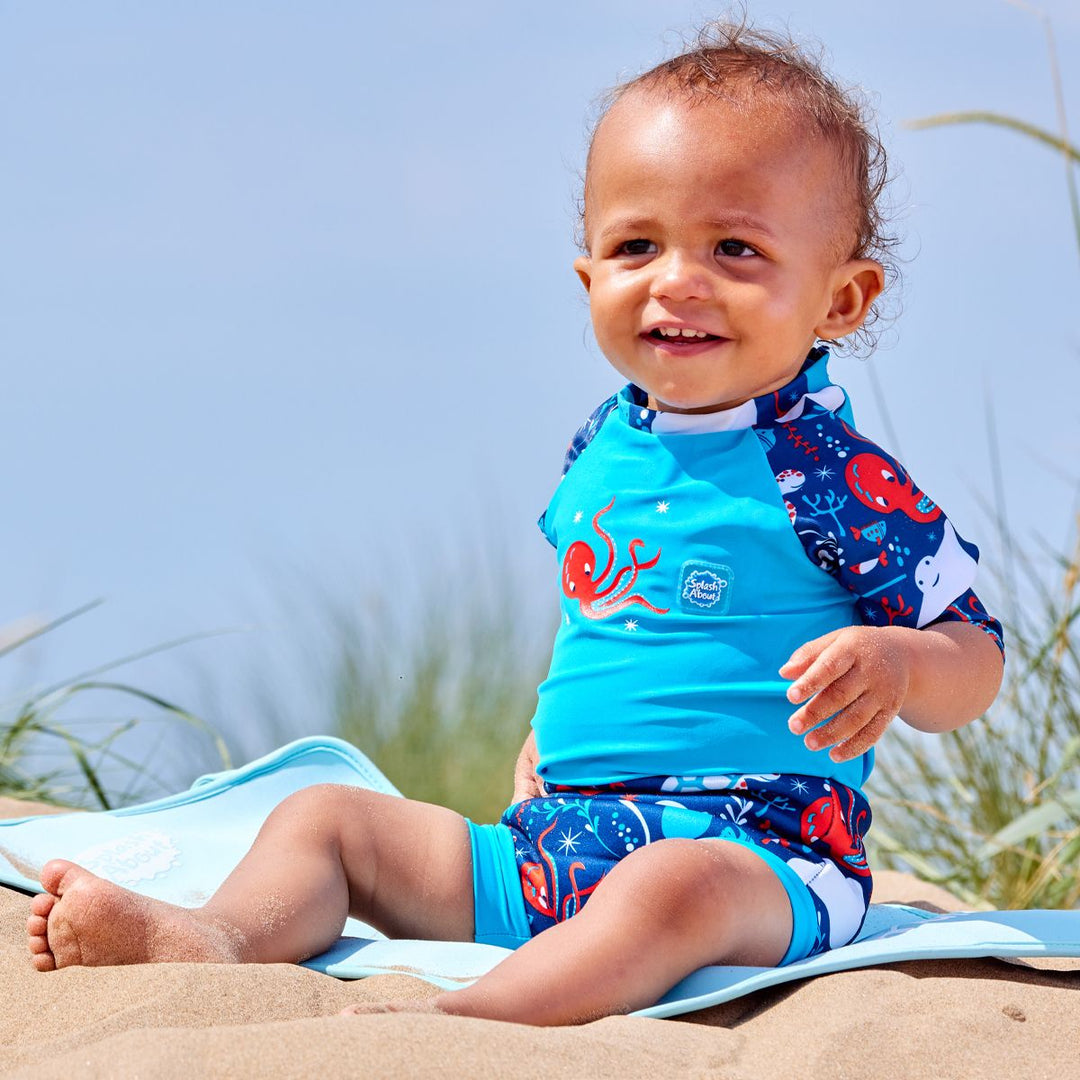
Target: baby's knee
319	811
680	879
668	875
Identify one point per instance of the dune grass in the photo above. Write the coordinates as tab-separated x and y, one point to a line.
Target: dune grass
992	811
57	747
441	703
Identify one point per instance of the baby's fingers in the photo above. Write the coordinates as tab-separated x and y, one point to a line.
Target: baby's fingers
825	670
801	659
843	723
832	700
864	738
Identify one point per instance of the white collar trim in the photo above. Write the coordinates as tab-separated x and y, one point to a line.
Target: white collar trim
735	419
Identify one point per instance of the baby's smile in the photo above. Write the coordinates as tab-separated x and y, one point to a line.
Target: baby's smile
675	332
681	340
712	266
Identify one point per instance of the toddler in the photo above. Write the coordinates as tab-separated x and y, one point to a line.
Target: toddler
751	591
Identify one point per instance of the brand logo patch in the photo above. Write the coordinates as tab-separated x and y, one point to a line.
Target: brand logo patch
705	588
142	856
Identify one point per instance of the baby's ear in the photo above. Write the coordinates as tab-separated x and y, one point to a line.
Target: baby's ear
856	286
583	268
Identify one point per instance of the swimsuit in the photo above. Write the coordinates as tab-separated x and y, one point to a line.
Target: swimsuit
697	553
554	850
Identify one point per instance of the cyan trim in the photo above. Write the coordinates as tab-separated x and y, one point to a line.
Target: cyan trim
804	922
498	905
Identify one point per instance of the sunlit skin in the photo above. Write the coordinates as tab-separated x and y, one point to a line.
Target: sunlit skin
700	217
730	220
713	219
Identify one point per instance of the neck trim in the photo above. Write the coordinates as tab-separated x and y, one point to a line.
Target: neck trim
779	406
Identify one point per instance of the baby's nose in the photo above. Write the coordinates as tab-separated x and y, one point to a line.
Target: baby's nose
681	277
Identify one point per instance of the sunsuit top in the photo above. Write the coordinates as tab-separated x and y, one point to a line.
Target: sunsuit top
698	552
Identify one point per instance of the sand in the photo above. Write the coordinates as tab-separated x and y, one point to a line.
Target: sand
936	1019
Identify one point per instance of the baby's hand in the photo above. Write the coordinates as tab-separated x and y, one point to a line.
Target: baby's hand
526	782
861	674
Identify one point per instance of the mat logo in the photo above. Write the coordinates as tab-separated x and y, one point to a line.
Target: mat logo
131	859
705	588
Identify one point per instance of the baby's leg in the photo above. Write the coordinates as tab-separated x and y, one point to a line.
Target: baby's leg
323	854
663	912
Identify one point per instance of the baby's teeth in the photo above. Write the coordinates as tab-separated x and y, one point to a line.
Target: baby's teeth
674	331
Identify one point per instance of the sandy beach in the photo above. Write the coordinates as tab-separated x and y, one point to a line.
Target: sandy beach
935	1019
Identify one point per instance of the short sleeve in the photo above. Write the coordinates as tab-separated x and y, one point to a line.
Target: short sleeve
861	518
588	431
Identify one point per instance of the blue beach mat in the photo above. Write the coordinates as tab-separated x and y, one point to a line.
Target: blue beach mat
182	847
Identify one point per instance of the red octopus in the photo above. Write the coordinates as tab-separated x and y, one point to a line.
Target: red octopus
885	487
824	820
596	599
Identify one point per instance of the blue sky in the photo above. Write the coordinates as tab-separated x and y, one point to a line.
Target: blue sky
285	293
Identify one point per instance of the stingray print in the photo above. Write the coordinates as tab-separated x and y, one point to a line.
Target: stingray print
582	583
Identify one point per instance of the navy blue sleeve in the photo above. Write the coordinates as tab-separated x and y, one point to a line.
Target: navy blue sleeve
861	518
587	432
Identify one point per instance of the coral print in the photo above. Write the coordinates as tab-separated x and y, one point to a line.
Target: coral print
904	563
540	881
582	583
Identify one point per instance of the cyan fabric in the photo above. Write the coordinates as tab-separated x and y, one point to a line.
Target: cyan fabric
698	552
498	909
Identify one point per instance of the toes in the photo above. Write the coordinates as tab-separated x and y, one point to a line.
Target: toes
41	956
54	872
37	928
42	904
43	961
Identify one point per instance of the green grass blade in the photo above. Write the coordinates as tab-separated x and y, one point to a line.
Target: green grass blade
1035	823
130	658
1012	123
38	631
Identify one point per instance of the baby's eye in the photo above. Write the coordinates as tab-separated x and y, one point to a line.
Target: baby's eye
637	247
734	248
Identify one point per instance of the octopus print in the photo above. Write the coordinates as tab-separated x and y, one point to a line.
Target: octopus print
826	821
597	596
884	486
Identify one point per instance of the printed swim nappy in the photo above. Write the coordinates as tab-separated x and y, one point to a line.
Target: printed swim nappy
542	861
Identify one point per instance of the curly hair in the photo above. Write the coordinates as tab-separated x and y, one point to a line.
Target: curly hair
738	64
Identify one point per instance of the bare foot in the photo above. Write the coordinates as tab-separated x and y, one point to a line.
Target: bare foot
83	919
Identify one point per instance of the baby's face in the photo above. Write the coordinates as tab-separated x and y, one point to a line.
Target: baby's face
715	241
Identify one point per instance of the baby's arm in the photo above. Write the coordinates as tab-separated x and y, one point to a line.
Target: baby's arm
937	679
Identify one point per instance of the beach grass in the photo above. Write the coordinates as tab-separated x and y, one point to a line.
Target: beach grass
66	742
992	811
441	703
